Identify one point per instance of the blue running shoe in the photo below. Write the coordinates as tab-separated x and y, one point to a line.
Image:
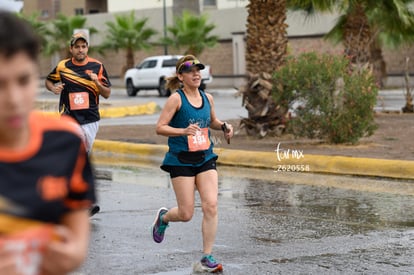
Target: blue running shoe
159	227
210	265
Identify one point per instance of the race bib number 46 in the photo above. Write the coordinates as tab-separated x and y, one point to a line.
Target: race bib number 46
79	101
199	141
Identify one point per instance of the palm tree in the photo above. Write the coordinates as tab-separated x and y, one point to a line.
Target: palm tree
62	30
393	26
266	48
40	27
365	26
129	34
357	34
192	32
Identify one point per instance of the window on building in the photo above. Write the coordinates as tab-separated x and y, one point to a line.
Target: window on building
44	14
93	11
210	3
78	11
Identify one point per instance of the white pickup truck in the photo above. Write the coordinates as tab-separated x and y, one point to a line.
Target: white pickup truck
152	72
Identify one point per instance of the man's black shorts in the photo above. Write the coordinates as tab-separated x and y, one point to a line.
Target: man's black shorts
189	171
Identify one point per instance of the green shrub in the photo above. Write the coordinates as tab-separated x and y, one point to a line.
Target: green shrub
329	100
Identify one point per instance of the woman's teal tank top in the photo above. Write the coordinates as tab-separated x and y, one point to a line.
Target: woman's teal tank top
186	115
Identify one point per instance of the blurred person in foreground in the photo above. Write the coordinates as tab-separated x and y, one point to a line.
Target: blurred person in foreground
46	182
186	120
80	81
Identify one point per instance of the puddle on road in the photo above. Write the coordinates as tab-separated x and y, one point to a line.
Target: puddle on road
146	176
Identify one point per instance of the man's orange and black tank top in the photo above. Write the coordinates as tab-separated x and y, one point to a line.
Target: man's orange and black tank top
80	96
51	176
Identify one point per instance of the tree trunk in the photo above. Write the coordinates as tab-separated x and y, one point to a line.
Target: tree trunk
191	50
265	116
357	36
266	45
130	59
266	41
409	107
379	66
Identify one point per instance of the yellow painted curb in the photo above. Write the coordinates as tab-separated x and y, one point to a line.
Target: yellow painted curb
115	152
130	152
143	109
319	164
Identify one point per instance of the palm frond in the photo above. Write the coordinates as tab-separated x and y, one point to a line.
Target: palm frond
192	32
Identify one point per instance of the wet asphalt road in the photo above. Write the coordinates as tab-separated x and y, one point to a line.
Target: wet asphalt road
269	223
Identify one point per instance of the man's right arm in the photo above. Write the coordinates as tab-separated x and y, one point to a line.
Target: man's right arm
49	85
55	88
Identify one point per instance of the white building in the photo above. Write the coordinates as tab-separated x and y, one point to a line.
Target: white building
127	5
11	5
229	16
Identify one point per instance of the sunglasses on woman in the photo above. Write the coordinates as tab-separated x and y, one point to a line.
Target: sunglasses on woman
187	66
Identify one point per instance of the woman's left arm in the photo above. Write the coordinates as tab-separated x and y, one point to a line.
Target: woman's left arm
217	124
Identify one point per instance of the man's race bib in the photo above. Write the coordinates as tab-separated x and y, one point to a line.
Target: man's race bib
79	101
199	141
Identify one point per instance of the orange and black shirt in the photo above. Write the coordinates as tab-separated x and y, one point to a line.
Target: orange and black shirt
51	176
80	96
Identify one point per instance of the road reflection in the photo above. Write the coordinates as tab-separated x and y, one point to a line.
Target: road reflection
284	206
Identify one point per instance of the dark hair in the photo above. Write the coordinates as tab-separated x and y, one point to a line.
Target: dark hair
16	35
173	83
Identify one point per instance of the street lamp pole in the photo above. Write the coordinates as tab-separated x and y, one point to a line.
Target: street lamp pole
165	26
